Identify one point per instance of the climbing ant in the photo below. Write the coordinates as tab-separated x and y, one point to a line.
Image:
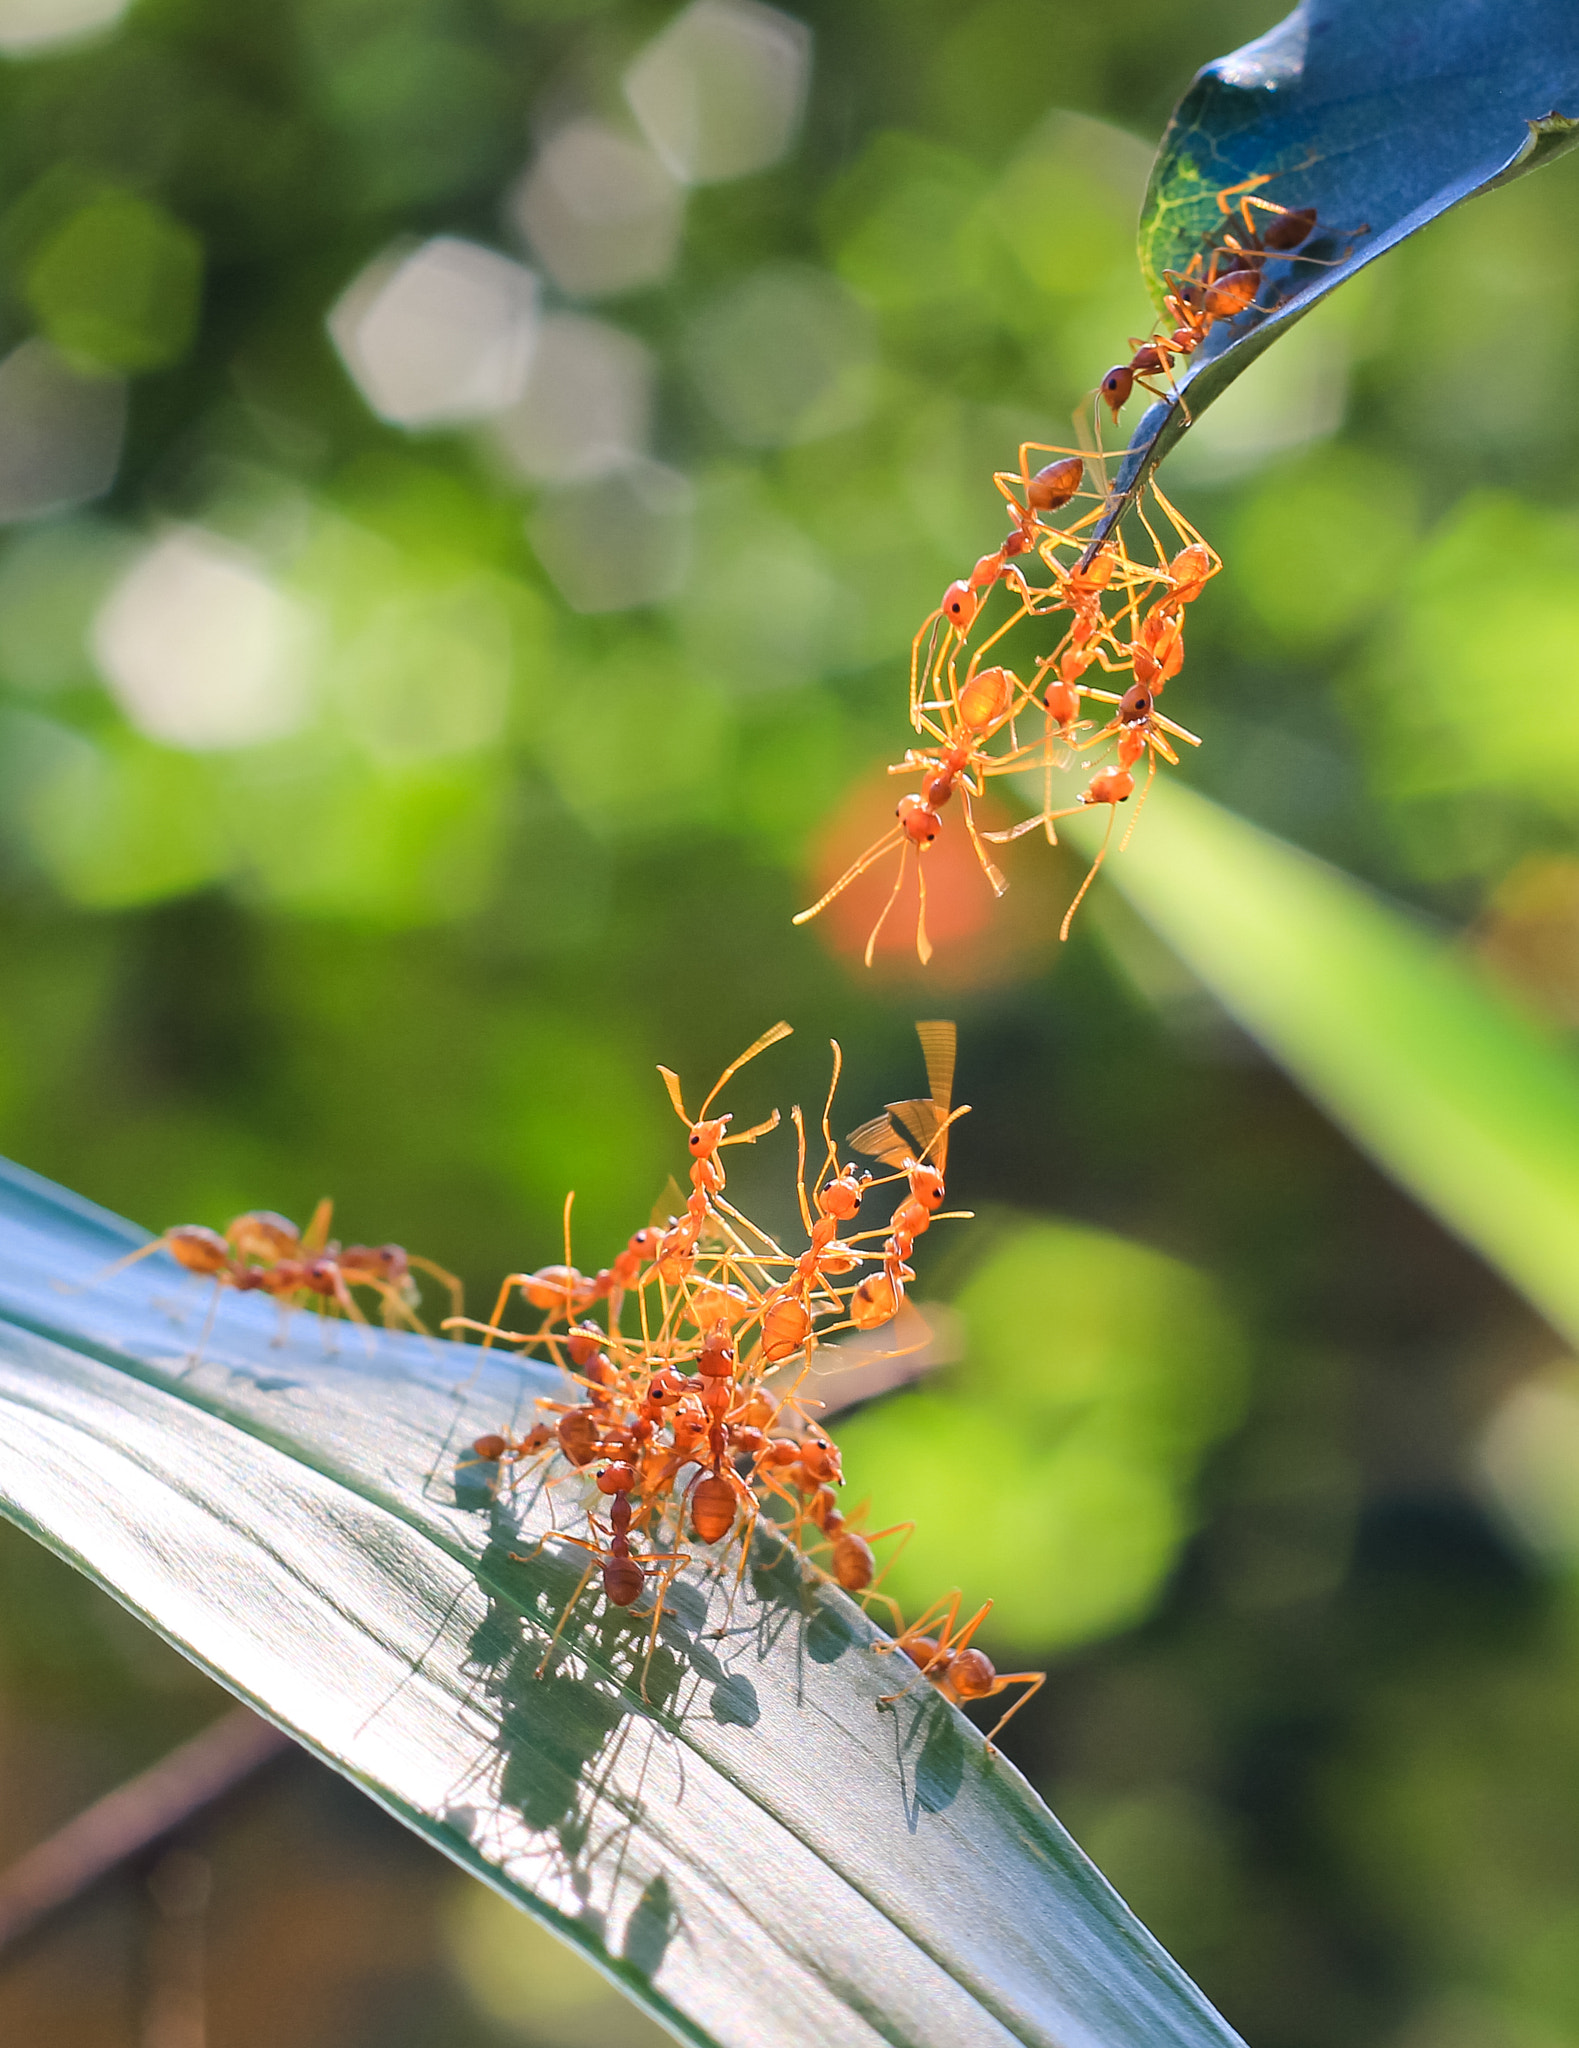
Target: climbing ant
949	1661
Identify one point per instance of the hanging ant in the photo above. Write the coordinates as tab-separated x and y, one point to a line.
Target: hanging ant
971	715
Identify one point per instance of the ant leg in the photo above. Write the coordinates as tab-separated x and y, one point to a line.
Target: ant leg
890	839
995	875
316	1235
962	1640
893	898
154	1244
1091	875
1033	1681
1129	829
457	1291
206	1332
570	1604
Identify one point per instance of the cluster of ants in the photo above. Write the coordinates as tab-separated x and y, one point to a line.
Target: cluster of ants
1122	616
688	1420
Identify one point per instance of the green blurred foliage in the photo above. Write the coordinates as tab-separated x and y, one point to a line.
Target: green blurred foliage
400	892
1098	1373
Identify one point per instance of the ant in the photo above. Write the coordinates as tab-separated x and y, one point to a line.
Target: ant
623	1571
912	1137
677	1246
1226	288
852	1562
261	1251
1049	490
948	1659
970	716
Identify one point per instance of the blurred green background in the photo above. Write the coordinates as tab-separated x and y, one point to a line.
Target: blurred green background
469	472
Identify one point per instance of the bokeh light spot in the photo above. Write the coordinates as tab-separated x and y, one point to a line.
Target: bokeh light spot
60	432
32	27
620	541
602	213
438	335
201	650
720	92
587	406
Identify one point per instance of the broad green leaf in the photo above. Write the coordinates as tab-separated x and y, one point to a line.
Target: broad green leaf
1382	118
1419	1058
755	1851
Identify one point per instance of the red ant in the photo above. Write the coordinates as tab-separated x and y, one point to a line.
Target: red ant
950	1662
987	701
1227	287
912	1137
261	1251
624	1573
852	1563
677	1246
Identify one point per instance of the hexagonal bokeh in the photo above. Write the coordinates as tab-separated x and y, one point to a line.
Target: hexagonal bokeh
60	432
587	406
200	649
438	335
620	541
600	211
721	90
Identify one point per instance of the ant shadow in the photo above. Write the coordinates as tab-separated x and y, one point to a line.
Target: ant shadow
578	1707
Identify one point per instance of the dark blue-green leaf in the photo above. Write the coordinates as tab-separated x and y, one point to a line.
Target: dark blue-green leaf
1382	117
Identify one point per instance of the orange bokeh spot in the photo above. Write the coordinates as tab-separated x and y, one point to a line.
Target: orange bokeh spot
977	937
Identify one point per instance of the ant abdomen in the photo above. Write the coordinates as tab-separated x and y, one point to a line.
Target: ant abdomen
623	1580
712	1510
198	1249
854	1563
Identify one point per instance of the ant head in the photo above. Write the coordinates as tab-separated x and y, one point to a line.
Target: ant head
706	1137
616	1478
960	606
926	1186
841	1198
919	822
1116	387
1061	701
1136	705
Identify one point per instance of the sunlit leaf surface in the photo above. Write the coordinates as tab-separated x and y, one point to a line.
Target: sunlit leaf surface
1454	1092
1382	118
754	1851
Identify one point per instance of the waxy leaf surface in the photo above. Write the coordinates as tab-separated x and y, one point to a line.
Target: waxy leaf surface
755	1851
